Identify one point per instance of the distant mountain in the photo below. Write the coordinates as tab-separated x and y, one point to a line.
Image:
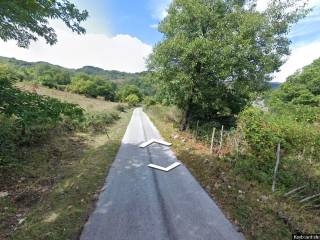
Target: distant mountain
110	74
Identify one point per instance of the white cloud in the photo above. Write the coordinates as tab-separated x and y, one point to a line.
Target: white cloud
262	5
120	52
160	8
299	58
154	26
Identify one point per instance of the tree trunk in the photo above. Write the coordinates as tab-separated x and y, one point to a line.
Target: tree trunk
187	110
185	117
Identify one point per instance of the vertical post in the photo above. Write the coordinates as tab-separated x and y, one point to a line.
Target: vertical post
276	168
236	145
212	138
196	135
221	139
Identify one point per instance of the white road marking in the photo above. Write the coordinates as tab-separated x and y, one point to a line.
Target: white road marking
147	143
167	169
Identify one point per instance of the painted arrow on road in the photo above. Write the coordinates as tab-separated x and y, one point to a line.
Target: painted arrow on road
145	144
167	169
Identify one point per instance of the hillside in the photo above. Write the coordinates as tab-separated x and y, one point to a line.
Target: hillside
52	168
88	104
113	75
89	81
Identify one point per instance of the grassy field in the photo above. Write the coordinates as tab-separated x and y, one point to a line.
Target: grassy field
251	206
89	104
51	196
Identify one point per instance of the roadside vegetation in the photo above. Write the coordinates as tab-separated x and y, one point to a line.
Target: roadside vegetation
55	149
55	145
240	180
239	173
211	73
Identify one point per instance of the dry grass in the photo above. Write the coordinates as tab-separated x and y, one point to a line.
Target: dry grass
89	104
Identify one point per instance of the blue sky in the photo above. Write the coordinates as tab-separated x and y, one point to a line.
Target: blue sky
135	18
139	19
121	34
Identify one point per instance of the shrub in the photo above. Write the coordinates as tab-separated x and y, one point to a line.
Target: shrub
263	131
99	122
132	100
128	90
121	107
9	138
149	101
26	117
92	86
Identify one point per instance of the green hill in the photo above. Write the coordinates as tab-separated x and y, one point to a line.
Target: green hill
112	75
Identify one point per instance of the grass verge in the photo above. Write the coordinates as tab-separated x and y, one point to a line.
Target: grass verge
50	198
250	205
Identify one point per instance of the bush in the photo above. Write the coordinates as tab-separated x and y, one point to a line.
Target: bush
128	90
263	131
121	107
9	138
132	100
92	86
149	101
99	122
26	117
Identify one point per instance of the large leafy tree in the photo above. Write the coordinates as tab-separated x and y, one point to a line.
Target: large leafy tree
25	21
217	53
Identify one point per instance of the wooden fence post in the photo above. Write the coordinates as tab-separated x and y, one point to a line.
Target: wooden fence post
212	138
276	168
196	135
221	139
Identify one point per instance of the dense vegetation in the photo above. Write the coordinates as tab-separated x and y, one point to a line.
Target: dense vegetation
68	156
303	87
292	120
214	65
216	55
240	171
26	117
49	144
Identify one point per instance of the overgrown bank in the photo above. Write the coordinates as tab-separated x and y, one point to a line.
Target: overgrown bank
48	185
241	182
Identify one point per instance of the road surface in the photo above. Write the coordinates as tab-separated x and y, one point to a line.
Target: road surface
141	203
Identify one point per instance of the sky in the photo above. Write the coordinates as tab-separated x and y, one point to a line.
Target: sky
121	33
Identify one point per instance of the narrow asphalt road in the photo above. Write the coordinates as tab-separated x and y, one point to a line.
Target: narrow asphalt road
141	203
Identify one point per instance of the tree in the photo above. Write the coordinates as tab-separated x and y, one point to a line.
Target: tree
25	21
216	54
301	88
132	100
92	86
127	90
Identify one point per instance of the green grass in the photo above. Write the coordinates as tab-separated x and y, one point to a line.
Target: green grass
61	180
250	205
